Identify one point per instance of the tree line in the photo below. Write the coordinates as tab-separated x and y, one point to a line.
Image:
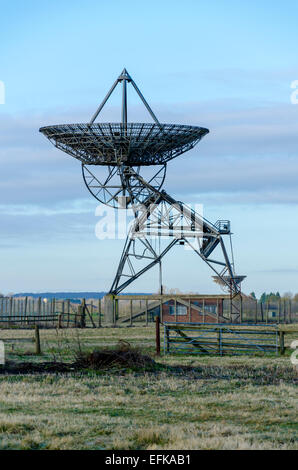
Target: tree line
275	297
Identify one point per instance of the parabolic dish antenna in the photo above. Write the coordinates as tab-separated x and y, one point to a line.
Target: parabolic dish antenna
116	147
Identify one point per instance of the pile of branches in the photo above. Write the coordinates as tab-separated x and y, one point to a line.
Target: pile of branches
124	356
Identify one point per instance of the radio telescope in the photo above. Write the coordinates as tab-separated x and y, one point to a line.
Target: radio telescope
124	166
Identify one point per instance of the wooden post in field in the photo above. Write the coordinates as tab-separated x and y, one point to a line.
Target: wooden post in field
219	341
59	321
76	317
99	313
114	302
160	311
62	313
39	308
83	314
10	308
91	313
168	339
146	312
68	312
282	342
262	312
157	335
37	341
130	312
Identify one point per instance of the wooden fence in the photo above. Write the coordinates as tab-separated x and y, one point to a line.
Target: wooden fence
135	309
49	313
130	310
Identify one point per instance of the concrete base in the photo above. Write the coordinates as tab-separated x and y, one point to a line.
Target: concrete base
109	309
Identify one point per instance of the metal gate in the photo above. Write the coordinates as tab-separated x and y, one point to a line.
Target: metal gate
219	339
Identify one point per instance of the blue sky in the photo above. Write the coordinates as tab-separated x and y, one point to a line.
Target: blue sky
226	65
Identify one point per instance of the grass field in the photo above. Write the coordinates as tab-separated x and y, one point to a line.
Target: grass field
186	403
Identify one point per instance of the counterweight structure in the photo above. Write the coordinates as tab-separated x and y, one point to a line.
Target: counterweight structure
124	166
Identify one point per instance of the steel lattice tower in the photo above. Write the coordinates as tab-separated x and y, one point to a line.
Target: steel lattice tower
114	157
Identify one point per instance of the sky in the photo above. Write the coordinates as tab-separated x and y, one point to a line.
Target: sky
223	64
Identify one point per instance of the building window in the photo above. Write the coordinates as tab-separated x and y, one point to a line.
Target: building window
181	309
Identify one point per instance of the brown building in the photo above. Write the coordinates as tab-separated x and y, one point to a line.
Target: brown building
194	308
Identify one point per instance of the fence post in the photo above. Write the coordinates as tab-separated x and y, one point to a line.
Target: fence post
37	341
83	314
39	308
146	312
157	335
262	312
99	313
160	311
130	312
219	341
68	311
10	309
63	312
91	313
115	311
167	337
282	342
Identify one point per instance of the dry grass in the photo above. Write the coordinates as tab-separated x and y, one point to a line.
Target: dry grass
194	403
